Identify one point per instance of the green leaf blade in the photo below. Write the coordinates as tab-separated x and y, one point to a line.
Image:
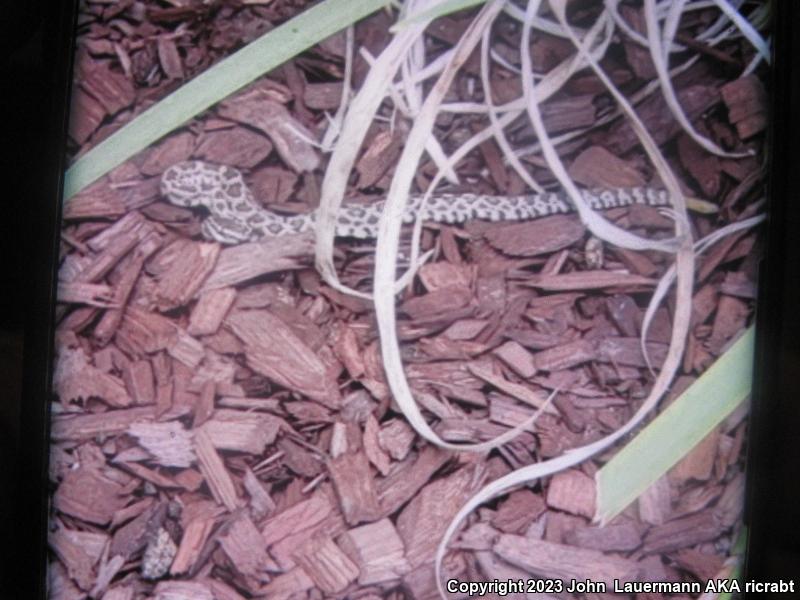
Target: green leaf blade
681	426
216	83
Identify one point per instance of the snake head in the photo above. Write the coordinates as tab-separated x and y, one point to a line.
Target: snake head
190	183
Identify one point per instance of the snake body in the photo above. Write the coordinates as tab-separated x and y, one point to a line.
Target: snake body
235	216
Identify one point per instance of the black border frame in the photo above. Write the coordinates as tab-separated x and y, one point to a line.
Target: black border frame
773	464
773	489
42	45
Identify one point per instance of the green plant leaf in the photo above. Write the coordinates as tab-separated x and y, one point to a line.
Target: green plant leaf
232	73
682	425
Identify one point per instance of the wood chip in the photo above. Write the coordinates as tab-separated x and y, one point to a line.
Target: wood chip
538	236
291	138
214	471
596	167
572	491
520	392
377	550
547	559
274	350
747	105
586	280
240	431
195	535
624	537
244	545
169	442
189	265
325	563
518	511
210	310
238	147
89	495
355	489
682	533
422	523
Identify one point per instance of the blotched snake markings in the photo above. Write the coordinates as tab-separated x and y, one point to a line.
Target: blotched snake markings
235	216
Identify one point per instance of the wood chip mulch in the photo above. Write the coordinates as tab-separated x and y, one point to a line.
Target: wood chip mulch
222	427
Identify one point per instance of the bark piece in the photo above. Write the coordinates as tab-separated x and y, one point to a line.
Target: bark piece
275	351
518	391
169	57
747	101
572	491
79	552
261	503
624	537
587	280
98	200
518	511
112	89
169	442
189	265
244	545
658	119
292	140
89	495
214	471
699	462
377	550
240	431
86	114
75	379
396	437
325	563
538	236
596	167
287	585
682	533
323	96
210	310
565	356
238	147
422	523
303	515
182	590
547	559
655	502
139	381
86	426
355	488
517	357
174	149
380	154
372	447
195	535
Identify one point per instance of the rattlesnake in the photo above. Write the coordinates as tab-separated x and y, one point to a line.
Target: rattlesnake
236	217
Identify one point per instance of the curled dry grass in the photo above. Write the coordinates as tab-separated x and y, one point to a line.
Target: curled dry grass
399	73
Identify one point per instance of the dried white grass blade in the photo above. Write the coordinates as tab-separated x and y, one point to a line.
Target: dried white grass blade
748	31
685	270
388	236
354	127
659	61
668	278
548	86
335	122
598	225
698	410
499	135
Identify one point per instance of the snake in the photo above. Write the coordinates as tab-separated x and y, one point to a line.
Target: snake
235	217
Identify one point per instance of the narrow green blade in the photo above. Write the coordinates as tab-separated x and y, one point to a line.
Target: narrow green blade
234	72
677	430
